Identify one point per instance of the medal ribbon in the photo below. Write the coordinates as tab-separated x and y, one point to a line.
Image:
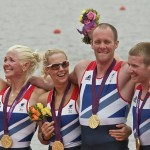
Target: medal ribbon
139	109
7	115
95	100
57	119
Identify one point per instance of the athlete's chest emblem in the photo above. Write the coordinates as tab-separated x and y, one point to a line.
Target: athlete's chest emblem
70	108
22	107
88	77
134	99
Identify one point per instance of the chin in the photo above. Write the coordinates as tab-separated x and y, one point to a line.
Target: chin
135	80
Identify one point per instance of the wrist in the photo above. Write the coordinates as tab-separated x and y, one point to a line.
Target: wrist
43	137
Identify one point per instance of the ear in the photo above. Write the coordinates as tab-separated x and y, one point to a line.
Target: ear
25	66
116	44
46	71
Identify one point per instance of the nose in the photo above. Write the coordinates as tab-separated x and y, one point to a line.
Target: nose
102	45
60	67
5	63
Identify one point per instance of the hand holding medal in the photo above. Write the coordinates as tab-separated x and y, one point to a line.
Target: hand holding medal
58	143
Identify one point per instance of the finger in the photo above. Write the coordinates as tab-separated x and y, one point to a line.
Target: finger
49	132
119	139
120	125
116	131
48	124
117	135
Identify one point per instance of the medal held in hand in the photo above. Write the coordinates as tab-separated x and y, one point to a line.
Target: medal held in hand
94	121
57	145
6	141
137	143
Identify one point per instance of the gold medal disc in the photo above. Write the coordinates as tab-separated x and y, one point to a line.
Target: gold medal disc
94	121
137	143
57	145
6	141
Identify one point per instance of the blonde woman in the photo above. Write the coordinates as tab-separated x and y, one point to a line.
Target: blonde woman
16	129
63	130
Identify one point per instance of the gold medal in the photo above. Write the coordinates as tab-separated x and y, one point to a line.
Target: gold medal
94	121
57	145
6	141
137	140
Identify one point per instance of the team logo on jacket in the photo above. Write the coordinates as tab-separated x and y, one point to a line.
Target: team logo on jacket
70	108
21	107
88	77
134	99
111	77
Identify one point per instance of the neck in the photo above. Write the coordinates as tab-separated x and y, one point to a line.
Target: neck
102	68
145	87
60	89
16	86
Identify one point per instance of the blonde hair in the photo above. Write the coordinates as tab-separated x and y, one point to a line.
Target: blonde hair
27	55
50	53
46	56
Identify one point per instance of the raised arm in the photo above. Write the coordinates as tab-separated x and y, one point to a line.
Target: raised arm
76	75
41	82
125	84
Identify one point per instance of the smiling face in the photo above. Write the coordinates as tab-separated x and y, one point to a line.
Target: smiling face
140	73
12	66
104	44
60	74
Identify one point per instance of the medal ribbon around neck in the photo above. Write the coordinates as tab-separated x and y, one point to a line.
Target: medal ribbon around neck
57	119
94	120
139	109
96	98
7	115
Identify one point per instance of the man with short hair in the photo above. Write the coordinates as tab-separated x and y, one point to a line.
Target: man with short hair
106	91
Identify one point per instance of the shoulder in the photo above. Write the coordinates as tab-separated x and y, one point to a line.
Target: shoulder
78	71
124	70
36	95
125	83
82	65
124	65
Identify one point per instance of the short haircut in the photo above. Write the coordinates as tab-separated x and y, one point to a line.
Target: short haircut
141	49
107	25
